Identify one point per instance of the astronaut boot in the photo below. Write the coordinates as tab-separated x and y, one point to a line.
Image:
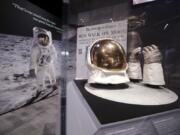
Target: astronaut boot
41	89
55	87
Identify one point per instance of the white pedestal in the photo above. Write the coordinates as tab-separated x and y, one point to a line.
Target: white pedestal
81	119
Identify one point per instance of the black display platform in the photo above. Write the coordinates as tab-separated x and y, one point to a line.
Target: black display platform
108	111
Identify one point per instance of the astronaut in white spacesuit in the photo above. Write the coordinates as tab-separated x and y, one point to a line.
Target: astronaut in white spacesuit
43	55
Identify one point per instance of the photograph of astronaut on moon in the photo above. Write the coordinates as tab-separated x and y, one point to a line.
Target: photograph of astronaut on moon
29	68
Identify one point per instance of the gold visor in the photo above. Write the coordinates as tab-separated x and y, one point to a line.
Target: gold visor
108	54
43	39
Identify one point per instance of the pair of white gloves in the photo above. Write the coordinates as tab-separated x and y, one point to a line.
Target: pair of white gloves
152	69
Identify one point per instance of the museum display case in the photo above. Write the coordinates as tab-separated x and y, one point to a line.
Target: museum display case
124	69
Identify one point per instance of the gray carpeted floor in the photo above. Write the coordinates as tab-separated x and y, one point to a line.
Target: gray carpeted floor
36	119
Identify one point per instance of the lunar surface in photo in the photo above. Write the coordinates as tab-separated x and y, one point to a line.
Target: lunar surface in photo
17	88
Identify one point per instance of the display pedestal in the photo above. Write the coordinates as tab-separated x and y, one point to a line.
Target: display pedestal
134	93
90	115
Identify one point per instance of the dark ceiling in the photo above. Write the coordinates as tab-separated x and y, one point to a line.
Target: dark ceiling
52	6
61	10
85	5
56	7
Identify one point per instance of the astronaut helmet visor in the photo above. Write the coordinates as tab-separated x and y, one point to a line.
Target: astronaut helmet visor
43	39
109	55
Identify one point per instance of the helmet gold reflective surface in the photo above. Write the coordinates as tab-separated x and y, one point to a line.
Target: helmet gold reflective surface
43	39
109	55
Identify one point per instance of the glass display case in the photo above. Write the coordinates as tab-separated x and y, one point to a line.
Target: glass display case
148	32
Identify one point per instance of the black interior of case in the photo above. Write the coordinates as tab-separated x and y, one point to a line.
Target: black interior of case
109	111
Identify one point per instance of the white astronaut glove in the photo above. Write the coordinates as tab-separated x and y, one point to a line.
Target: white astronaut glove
152	71
134	66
